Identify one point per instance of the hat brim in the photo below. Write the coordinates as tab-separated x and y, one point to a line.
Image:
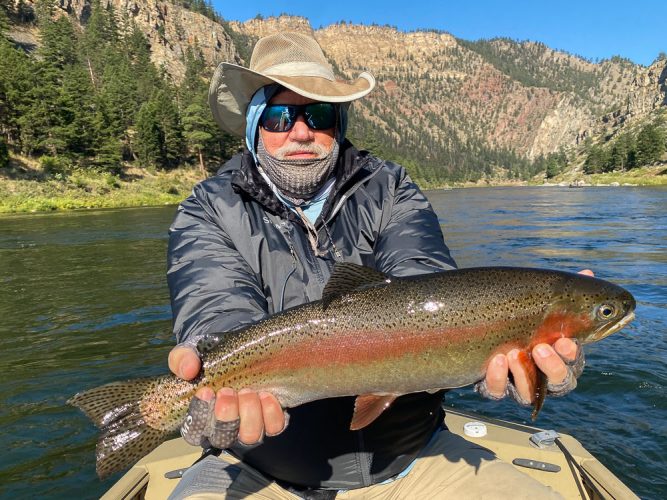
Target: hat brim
233	86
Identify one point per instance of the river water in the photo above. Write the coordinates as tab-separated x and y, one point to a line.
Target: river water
83	301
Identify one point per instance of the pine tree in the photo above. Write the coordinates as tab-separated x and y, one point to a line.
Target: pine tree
42	112
149	137
172	130
76	104
552	168
619	155
650	145
595	161
16	79
116	104
4	153
4	22
198	130
55	121
145	74
24	12
159	140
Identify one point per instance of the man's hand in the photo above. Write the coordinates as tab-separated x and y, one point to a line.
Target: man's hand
550	360
252	414
562	363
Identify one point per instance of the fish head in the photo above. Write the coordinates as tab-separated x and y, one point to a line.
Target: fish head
605	307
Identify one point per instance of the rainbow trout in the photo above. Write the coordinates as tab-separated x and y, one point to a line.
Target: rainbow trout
372	336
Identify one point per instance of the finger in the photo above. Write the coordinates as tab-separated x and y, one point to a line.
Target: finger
550	363
226	405
272	414
252	421
195	426
587	272
520	376
206	394
184	362
496	376
224	429
566	348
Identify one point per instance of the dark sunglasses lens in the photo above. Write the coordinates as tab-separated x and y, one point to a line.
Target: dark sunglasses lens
321	115
278	118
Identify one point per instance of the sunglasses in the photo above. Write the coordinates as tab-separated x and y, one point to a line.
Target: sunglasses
282	117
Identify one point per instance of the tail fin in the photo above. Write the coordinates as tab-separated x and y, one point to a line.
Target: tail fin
125	437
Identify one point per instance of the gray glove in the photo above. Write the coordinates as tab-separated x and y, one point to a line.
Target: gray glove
575	368
201	428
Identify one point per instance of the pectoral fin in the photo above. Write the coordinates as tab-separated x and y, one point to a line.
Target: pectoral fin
368	407
540	393
537	382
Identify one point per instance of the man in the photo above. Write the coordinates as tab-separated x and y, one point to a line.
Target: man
263	235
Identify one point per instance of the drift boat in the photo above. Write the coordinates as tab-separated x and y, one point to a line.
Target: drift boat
560	462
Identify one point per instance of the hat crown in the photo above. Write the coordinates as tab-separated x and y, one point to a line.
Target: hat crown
290	54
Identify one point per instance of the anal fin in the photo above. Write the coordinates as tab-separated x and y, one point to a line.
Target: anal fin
368	407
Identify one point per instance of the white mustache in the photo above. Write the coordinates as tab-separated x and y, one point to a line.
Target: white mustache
294	147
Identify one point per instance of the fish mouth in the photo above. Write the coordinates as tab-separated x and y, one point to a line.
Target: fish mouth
606	330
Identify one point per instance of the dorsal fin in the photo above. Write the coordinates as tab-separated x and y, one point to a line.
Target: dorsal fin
347	277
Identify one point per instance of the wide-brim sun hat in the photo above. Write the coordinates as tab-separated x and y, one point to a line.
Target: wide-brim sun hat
292	60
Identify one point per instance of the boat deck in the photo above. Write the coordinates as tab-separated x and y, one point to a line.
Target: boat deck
580	474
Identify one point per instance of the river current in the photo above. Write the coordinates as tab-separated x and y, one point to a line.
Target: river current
84	301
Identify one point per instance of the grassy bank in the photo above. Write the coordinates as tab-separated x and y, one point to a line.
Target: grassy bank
644	176
655	175
25	187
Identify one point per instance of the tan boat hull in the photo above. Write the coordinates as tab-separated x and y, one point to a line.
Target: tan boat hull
590	480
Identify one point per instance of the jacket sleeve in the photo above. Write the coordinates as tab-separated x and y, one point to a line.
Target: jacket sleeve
212	288
410	241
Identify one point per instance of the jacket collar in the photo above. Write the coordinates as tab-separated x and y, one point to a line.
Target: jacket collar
351	165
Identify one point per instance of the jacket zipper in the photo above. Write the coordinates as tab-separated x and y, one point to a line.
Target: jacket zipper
363	460
294	266
350	192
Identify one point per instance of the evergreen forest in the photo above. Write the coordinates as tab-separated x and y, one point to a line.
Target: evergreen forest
94	99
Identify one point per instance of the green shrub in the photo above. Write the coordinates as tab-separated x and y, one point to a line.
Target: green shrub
55	165
112	181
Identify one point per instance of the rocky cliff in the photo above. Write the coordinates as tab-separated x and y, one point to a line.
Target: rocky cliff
169	28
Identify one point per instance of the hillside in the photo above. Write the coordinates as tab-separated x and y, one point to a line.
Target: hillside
449	109
468	106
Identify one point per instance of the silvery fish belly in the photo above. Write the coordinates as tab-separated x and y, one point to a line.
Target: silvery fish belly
371	336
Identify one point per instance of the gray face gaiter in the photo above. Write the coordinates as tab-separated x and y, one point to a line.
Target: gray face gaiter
299	180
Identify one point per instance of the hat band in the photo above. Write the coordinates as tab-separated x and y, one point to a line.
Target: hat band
298	69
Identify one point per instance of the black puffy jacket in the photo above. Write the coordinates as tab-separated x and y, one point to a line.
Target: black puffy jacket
237	254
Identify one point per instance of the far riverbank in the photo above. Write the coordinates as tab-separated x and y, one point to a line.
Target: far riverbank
26	188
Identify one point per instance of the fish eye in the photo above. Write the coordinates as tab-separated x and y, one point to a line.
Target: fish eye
606	311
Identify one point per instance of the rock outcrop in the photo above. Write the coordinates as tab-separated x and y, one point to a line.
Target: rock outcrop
170	30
